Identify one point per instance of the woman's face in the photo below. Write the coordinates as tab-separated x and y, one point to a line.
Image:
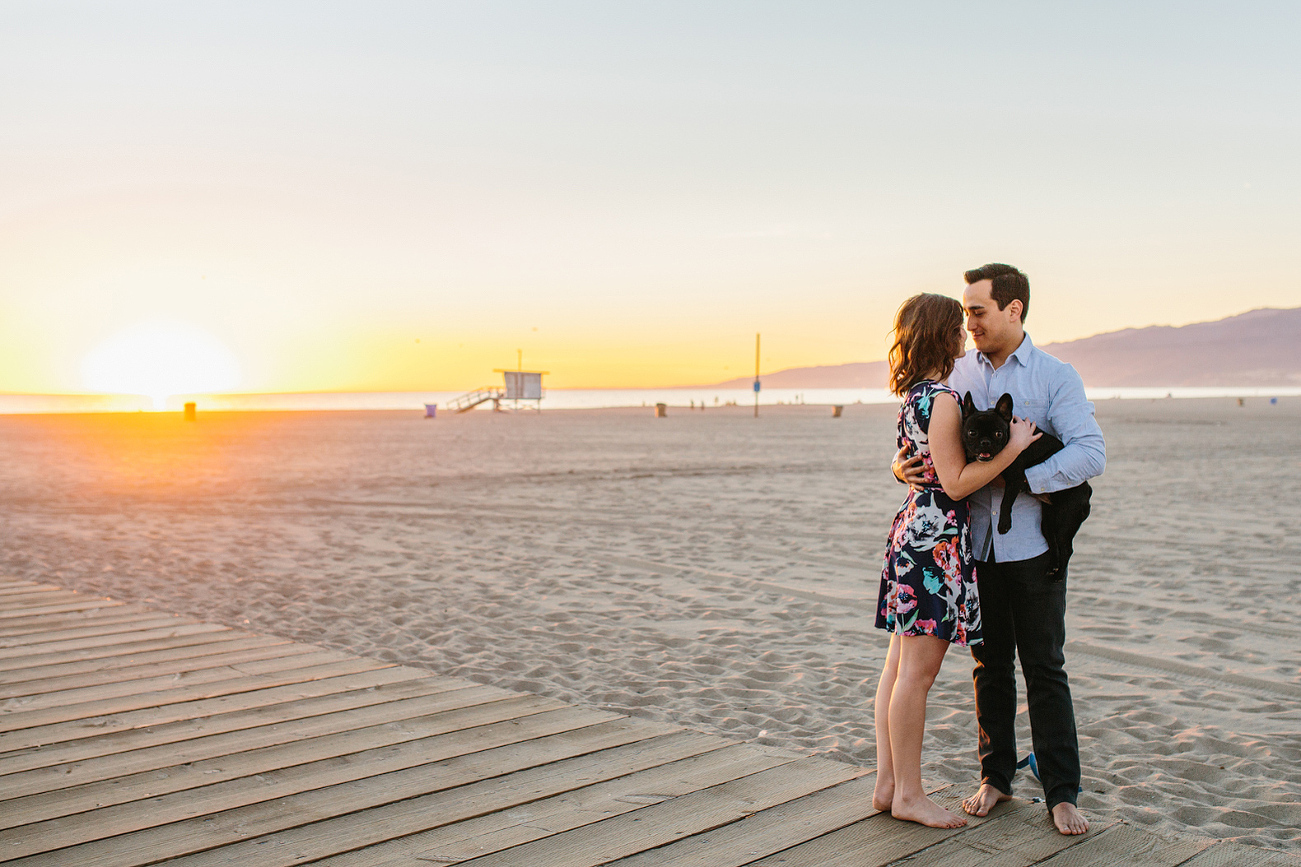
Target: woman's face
960	337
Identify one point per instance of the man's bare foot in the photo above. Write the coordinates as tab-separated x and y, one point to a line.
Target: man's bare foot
1069	820
924	811
883	795
984	800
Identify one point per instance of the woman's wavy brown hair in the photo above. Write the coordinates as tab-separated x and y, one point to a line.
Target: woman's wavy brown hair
928	336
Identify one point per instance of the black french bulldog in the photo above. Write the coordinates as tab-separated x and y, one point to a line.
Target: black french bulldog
984	433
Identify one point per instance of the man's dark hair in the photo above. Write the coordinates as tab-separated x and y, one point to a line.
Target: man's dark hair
1009	285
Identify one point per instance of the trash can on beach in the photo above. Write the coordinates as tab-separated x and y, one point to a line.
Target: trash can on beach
431	410
661	410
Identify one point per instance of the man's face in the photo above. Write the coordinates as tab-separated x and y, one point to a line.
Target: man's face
991	329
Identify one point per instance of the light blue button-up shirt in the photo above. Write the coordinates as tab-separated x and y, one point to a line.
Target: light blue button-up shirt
1049	393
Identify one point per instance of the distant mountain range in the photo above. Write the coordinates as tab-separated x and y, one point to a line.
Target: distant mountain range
1259	348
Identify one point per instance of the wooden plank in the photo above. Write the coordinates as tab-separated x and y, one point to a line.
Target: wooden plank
154	776
32	587
79	739
290	656
881	839
119	846
38	598
13	681
521	776
42	622
657	825
81	605
119	659
11	636
189	664
45	641
21	597
14	720
1015	834
766	832
8	587
1125	844
190	741
504	829
489	833
1227	853
116	644
180	651
33	596
187	741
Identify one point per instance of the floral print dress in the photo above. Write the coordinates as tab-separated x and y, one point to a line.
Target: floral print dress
928	585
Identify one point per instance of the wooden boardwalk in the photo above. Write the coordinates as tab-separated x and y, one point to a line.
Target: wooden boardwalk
129	737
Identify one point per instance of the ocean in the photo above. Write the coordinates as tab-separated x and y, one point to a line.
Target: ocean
554	399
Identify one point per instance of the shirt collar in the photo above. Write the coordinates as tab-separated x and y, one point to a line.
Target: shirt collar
1021	353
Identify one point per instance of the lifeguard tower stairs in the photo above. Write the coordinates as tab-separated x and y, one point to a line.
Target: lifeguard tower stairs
470	400
519	385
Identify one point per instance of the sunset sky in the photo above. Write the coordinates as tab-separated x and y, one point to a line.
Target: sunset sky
397	196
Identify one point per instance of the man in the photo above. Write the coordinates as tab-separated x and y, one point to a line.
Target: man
1023	612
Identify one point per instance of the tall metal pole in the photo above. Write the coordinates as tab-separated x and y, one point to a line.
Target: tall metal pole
756	376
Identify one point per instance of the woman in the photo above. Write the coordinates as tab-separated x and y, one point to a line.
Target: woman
928	585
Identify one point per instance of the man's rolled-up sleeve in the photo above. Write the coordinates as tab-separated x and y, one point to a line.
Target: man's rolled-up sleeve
1071	416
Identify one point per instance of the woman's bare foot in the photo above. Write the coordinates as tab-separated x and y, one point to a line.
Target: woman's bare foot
1069	820
925	812
984	800
883	795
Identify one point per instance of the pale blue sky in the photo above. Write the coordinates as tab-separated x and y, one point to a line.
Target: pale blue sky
645	184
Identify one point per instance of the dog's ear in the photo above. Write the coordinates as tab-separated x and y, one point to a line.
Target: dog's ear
1004	407
968	405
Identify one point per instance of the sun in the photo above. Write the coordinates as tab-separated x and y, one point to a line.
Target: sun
160	359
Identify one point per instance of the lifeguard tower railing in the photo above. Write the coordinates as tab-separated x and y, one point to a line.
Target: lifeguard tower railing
469	401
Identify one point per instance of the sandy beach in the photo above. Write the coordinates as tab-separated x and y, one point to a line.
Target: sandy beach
708	569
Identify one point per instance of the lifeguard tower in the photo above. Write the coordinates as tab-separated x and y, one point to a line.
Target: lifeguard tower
518	384
524	385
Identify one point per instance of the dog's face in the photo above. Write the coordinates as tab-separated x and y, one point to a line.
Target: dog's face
985	432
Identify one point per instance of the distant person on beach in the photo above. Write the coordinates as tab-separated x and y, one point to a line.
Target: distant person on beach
928	588
1024	613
